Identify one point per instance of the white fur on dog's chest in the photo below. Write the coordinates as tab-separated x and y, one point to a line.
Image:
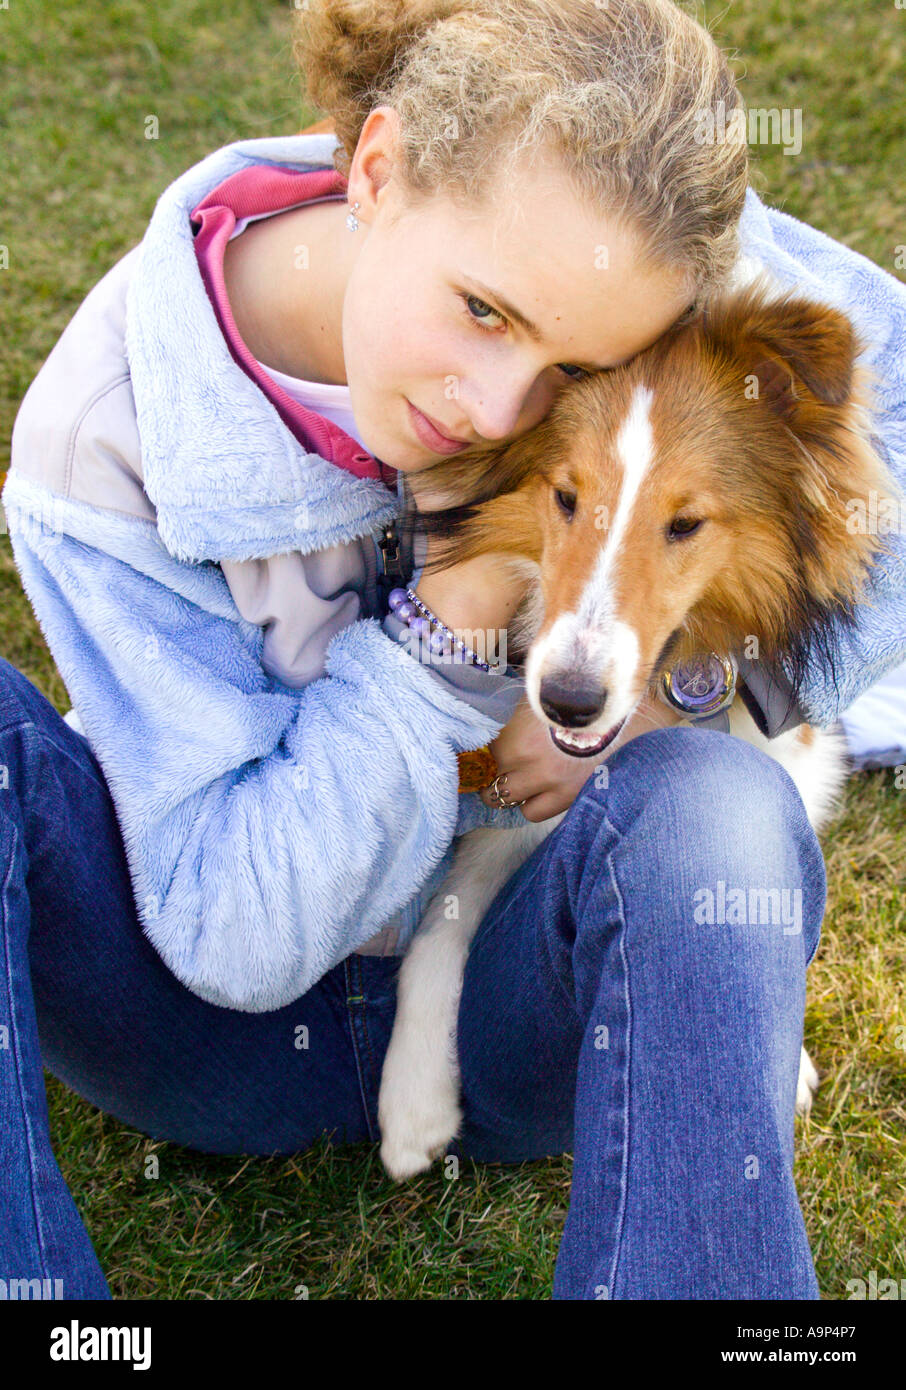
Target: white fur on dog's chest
814	758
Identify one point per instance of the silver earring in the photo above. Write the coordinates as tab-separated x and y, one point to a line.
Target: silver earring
352	222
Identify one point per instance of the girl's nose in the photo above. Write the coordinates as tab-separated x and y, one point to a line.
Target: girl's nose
498	408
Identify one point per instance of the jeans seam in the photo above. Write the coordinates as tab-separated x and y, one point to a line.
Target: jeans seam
14	1030
96	774
99	780
354	996
627	994
367	1037
14	728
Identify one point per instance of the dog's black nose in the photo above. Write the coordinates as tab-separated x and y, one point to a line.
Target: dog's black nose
572	706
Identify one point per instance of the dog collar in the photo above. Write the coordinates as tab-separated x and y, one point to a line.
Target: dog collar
702	689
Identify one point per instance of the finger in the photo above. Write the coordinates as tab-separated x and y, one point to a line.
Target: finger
509	790
547	804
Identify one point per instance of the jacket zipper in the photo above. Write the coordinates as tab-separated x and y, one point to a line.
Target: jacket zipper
391	575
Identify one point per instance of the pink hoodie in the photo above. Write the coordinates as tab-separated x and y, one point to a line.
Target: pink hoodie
265	188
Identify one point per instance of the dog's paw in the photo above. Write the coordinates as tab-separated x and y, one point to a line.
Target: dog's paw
404	1156
419	1116
807	1084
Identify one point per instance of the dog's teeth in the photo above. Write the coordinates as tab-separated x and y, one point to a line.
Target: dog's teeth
578	740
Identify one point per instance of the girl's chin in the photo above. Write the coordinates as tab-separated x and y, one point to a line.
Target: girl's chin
397	448
398	453
401	456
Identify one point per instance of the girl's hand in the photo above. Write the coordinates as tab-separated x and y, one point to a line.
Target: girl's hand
549	781
481	594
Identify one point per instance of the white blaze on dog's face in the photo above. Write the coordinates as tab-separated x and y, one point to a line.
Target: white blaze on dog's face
591	643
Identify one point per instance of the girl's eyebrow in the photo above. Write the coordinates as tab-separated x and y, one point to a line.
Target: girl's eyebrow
532	329
510	310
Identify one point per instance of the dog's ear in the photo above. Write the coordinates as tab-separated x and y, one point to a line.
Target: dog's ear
790	346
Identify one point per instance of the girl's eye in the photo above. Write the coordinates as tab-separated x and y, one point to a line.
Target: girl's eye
479	311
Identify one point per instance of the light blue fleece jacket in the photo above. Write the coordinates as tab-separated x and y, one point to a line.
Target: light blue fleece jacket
271	831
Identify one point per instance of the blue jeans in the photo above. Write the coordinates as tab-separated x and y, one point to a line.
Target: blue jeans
613	1006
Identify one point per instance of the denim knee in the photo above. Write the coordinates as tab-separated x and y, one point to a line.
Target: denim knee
705	781
720	815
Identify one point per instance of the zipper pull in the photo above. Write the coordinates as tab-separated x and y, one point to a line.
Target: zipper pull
391	575
389	544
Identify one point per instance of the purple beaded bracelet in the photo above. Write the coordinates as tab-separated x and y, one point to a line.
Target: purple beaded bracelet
419	619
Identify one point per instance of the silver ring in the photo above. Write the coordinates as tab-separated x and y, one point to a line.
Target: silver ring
504	805
495	788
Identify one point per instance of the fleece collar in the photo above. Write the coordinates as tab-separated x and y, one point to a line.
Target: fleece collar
227	477
261	190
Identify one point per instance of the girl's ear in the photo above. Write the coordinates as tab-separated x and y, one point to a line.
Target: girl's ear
792	346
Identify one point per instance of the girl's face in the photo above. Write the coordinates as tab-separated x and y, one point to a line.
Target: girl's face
471	323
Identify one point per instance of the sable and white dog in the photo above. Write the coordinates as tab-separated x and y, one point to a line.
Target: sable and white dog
694	500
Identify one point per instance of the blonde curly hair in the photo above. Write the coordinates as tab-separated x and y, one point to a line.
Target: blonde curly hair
616	90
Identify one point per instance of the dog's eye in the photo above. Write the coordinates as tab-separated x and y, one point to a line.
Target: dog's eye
682	526
566	501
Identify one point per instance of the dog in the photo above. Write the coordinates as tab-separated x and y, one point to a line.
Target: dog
694	500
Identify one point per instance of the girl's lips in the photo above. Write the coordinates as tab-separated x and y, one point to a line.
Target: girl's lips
429	436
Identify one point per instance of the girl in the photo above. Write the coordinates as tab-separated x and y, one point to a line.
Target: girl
205	473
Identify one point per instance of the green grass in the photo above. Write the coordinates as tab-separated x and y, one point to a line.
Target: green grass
80	182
